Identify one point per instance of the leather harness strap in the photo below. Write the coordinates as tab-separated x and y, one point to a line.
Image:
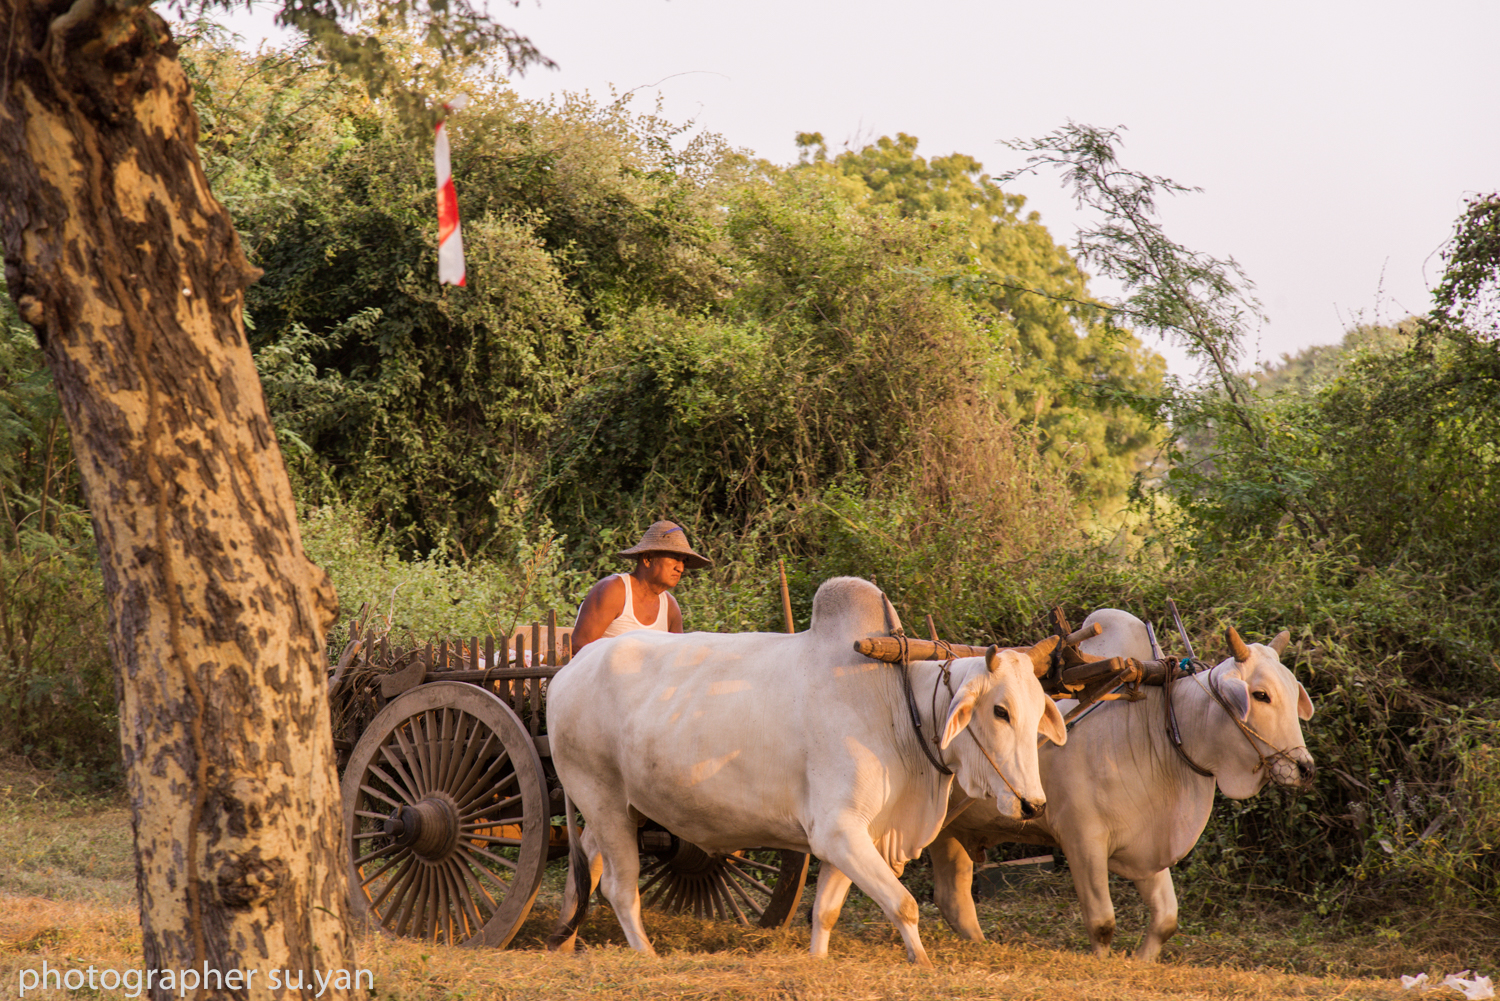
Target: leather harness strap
1174	734
911	705
944	675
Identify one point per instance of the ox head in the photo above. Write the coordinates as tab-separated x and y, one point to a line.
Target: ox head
1258	737
999	701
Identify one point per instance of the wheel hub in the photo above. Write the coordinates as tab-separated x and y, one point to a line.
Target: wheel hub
429	827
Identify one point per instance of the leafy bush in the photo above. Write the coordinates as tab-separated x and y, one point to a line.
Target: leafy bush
437	596
57	698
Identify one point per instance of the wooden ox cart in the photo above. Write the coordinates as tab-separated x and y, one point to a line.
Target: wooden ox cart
452	809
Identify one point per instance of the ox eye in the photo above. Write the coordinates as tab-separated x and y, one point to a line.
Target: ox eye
1261	696
1001	714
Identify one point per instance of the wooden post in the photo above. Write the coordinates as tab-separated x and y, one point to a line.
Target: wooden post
786	598
489	656
551	637
517	686
931	629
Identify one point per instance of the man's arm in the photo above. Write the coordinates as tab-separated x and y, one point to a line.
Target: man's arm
601	606
674	615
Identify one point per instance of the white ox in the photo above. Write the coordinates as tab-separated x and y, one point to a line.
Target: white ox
743	740
1121	800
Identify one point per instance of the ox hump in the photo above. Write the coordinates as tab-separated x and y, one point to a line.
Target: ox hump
1121	635
851	606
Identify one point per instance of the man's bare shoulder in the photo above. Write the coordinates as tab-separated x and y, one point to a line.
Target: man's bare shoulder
609	592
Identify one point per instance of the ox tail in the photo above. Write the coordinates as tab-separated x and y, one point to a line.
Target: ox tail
562	938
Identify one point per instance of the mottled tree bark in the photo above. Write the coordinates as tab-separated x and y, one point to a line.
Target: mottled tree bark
131	273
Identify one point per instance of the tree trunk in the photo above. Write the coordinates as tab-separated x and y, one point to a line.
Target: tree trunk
132	275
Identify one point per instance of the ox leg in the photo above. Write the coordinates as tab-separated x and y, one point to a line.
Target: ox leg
563	940
1091	881
833	887
1161	898
615	838
856	856
953	886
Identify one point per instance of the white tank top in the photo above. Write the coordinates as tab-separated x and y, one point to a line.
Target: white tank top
626	622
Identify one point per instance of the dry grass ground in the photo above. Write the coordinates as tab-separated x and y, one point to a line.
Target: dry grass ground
67	897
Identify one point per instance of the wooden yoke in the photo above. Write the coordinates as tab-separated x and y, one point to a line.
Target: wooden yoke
1064	671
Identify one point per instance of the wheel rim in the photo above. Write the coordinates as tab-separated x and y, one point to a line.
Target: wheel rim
445	817
758	887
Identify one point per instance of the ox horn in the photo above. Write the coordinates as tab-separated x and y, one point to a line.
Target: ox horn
1041	655
1279	643
1237	646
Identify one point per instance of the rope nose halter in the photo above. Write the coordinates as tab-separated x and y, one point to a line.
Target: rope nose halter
1280	765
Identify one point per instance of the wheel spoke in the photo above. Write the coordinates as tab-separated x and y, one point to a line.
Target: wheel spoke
735	861
463	768
408	785
418	893
444	749
491	807
474	767
487	782
509	842
399	884
739	891
656	877
467	871
440	916
450	747
473	850
413	759
747	878
375	854
456	748
424	736
465	904
371	790
730	906
381	871
676	891
372	815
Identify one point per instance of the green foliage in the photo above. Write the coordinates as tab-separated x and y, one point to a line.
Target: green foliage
830	362
417	600
1201	301
1066	365
356	38
57	705
1470	290
427	406
1314	367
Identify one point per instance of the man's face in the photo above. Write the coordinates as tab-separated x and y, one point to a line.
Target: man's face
663	570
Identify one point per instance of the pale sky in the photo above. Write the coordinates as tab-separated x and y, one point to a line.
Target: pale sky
1335	141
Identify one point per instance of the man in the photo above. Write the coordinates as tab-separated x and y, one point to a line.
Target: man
639	599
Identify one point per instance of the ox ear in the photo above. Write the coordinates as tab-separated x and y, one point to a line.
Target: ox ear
1279	643
1041	655
1236	692
960	712
1304	704
1237	646
1052	726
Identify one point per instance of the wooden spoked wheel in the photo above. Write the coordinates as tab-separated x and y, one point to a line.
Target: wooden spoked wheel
446	817
758	887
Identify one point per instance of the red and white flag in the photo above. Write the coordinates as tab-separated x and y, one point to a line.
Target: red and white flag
450	238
